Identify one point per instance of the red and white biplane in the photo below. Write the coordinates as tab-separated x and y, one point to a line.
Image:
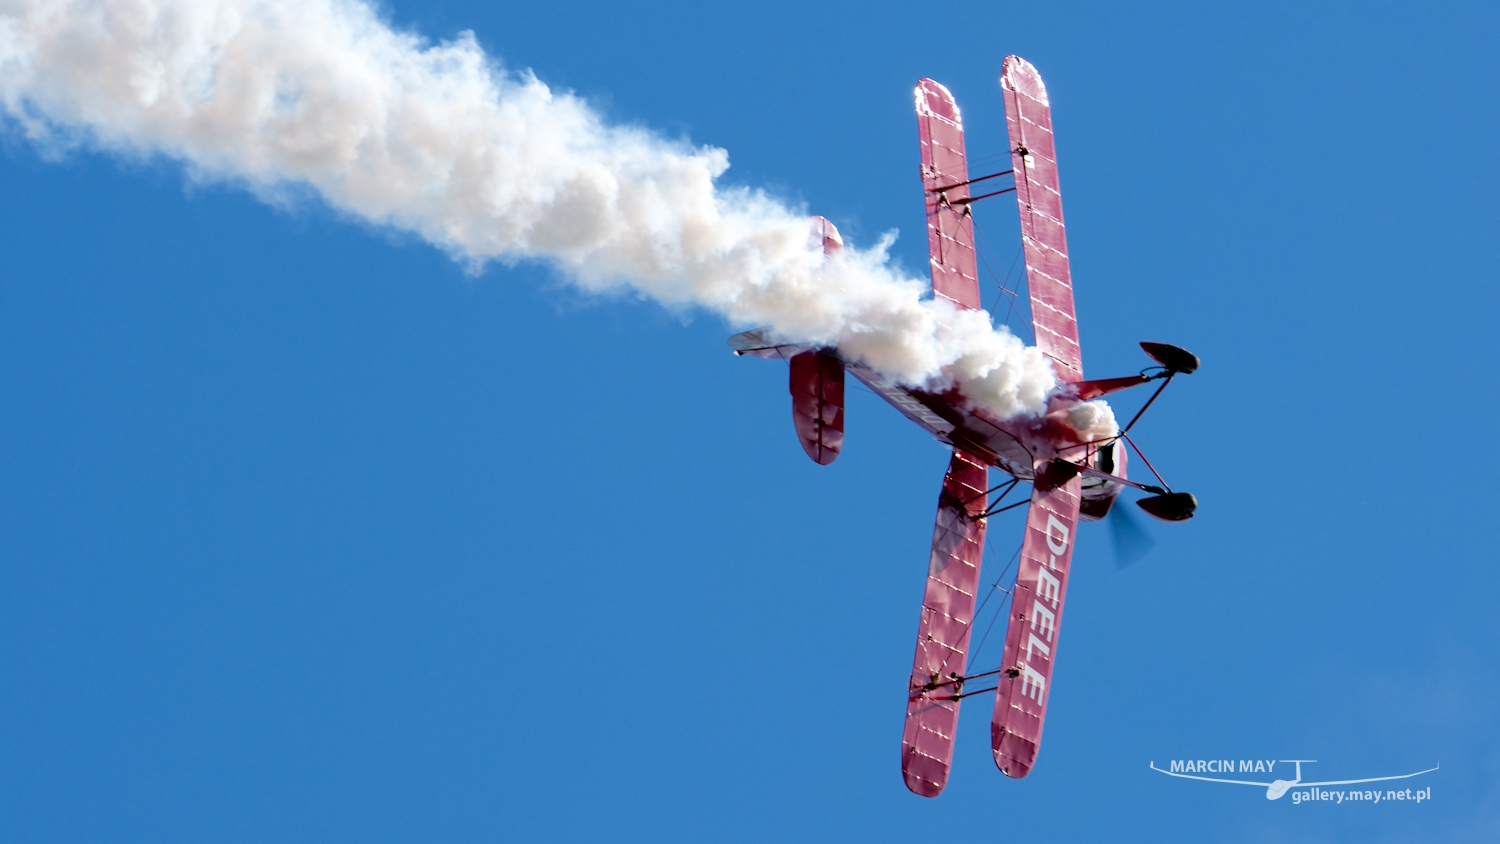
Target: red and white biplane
1071	480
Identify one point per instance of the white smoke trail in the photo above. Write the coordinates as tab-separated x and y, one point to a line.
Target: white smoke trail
486	164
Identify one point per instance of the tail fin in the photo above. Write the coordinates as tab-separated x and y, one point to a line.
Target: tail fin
818	404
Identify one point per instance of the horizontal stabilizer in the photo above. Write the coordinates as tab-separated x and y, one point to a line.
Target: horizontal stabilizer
758	343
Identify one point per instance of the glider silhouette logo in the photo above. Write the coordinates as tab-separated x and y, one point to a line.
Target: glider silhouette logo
1302	792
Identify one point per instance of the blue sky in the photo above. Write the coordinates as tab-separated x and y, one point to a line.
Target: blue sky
310	536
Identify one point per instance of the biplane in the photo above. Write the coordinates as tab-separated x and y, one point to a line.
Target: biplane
1071	479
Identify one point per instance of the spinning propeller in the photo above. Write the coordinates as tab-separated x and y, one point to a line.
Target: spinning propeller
1131	541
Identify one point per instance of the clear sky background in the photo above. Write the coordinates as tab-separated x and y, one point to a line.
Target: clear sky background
310	536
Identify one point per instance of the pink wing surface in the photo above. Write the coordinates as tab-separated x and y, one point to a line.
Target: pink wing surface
945	173
943	635
1035	619
1028	117
817	384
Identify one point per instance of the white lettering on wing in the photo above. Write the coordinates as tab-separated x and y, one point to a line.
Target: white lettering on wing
1057	535
1037	644
1033	684
1042	619
1048	586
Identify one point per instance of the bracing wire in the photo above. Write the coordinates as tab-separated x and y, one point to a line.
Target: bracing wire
999	609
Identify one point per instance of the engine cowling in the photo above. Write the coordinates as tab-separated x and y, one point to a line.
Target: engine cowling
1098	494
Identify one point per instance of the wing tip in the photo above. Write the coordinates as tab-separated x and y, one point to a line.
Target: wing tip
925	776
1013	768
926	91
1019	75
923	788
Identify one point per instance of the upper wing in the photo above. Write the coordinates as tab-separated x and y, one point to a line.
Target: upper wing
1035	618
1028	117
945	176
943	634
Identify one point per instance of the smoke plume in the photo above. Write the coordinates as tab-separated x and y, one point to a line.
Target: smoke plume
485	163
